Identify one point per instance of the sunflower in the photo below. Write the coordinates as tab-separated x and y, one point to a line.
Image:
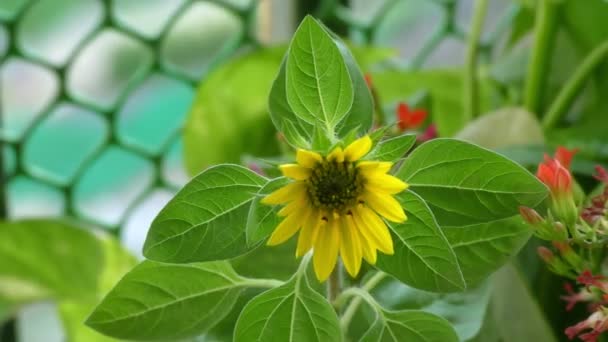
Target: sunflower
337	202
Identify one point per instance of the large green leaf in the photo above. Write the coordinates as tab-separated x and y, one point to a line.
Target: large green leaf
517	127
168	301
41	259
292	312
464	184
464	310
514	312
483	248
318	85
409	325
229	116
206	220
423	257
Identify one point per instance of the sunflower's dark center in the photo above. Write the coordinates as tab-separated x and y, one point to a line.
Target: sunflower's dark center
334	186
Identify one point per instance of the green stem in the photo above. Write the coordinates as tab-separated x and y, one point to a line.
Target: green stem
334	284
471	96
352	307
544	33
573	86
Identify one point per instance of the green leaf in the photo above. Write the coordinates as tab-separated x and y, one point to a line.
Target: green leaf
6	311
464	184
292	312
409	325
483	248
515	312
503	128
394	148
423	257
41	259
319	87
464	310
168	301
229	115
262	219
73	314
206	220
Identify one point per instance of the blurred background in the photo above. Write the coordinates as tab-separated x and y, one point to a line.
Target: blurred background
94	94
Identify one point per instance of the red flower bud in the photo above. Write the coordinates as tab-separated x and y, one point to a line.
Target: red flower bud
555	176
530	215
545	254
564	156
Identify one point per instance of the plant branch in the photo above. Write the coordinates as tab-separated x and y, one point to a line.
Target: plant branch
263	283
354	304
544	34
471	91
573	86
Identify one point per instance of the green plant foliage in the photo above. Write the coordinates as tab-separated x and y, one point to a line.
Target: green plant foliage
393	149
41	260
262	219
503	128
464	184
292	312
163	301
395	326
211	210
230	116
423	257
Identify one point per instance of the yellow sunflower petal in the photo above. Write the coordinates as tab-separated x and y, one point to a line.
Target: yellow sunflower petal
288	193
308	159
373	229
368	251
308	233
350	246
385	205
336	155
326	250
287	228
385	183
373	167
358	148
293	206
295	171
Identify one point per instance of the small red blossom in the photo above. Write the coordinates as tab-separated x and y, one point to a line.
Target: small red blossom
572	297
602	174
594	325
408	118
555	176
564	156
588	279
429	134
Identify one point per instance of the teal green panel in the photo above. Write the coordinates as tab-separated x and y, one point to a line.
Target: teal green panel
204	33
146	18
107	67
27	197
4	41
10	8
62	142
173	171
10	159
27	90
111	184
154	113
51	30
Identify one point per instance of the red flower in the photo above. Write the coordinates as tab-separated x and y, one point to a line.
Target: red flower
555	176
564	156
597	323
409	119
429	134
602	174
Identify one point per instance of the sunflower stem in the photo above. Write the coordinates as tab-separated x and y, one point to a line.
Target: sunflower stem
471	91
334	284
352	307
